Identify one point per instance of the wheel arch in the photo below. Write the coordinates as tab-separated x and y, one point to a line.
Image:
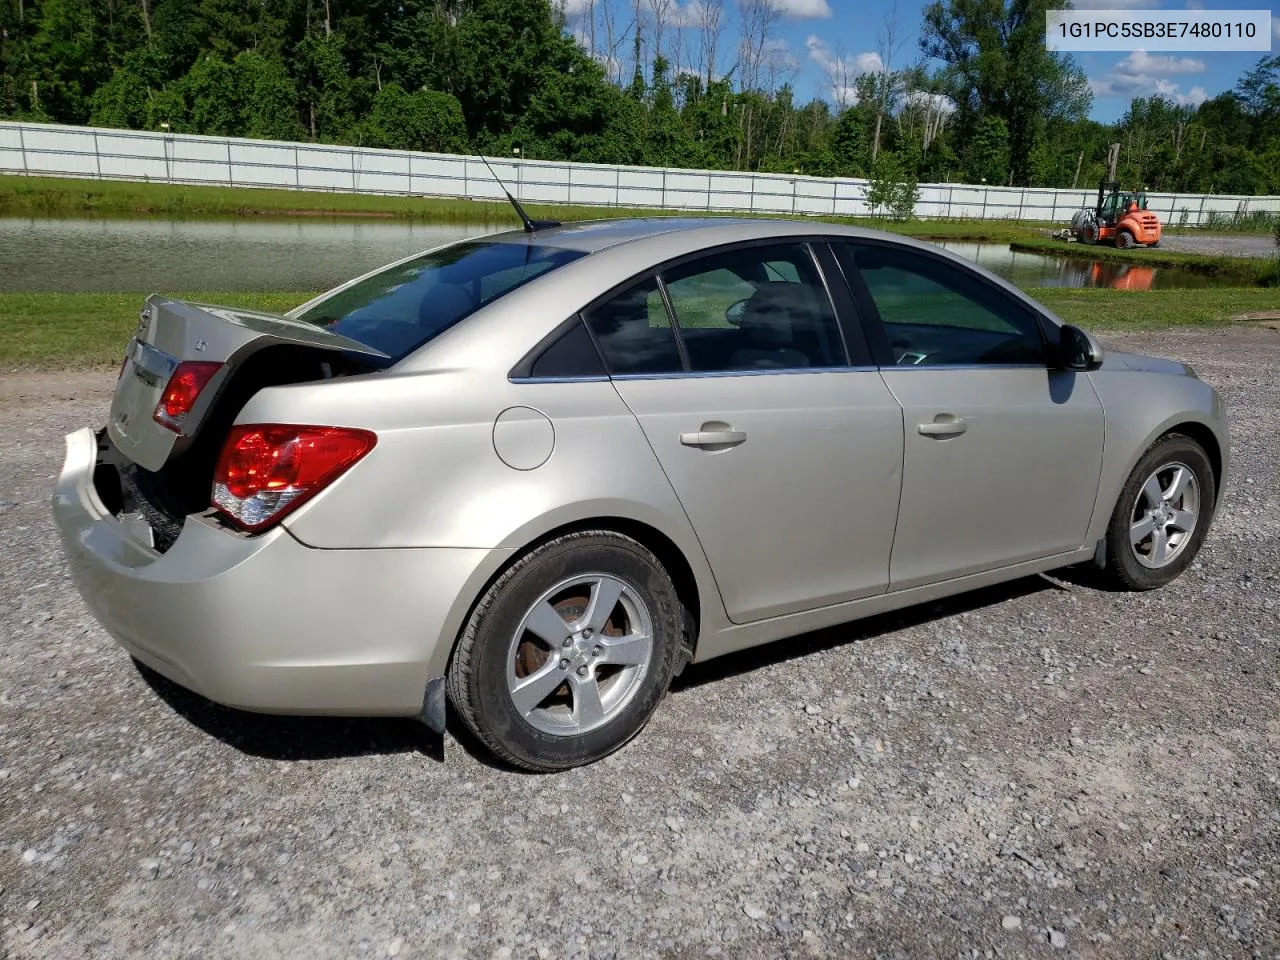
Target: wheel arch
1192	424
692	579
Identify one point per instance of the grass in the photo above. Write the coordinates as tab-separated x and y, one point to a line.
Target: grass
58	331
53	331
65	197
1105	310
1247	270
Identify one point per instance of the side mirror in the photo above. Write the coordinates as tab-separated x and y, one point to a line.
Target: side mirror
1078	350
733	315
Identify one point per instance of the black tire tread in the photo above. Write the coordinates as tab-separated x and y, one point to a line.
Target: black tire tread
1123	575
460	677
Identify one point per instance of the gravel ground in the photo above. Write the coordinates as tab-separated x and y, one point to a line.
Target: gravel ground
1042	769
1221	244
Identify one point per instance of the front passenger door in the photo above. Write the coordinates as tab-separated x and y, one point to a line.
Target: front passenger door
1002	452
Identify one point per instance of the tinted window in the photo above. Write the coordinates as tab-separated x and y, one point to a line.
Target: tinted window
634	332
936	313
572	354
755	308
402	307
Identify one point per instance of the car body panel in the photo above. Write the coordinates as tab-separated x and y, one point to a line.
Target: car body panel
1019	482
264	622
1140	407
812	440
358	597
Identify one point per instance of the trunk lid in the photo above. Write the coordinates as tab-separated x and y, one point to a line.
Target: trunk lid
172	331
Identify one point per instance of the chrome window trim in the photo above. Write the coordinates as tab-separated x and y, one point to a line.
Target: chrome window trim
701	374
594	378
785	371
966	366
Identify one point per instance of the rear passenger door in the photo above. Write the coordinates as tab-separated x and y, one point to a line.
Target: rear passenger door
785	457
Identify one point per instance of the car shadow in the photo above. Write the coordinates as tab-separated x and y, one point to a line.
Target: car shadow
731	665
323	738
275	737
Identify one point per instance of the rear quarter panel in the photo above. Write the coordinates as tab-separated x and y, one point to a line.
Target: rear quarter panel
435	479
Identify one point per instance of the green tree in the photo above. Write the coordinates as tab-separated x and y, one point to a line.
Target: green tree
987	153
998	68
265	97
123	100
427	120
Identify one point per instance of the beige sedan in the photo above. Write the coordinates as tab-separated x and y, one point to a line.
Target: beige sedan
538	473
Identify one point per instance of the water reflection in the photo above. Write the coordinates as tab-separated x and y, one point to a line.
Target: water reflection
1039	270
164	255
143	256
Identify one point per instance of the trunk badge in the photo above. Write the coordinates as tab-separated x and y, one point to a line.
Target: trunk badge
201	344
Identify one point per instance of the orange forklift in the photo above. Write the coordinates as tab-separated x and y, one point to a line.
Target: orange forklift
1121	218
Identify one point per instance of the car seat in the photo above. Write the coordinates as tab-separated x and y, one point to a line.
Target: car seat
767	331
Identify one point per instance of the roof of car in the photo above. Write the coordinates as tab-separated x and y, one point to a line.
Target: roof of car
590	236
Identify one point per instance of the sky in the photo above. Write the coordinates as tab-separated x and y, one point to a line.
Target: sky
814	41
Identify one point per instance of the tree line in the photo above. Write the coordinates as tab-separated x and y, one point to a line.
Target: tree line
646	82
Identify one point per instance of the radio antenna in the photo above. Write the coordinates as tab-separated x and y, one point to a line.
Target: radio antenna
530	225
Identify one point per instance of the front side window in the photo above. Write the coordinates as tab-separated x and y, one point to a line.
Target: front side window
937	313
400	308
755	308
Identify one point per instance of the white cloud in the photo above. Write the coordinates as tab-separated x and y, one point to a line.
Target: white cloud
868	62
803	9
573	8
1195	96
1141	63
1142	74
938	101
842	71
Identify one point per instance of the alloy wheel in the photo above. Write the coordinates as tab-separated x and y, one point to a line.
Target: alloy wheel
1164	515
579	654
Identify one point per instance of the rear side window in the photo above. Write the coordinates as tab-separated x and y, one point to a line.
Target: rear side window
400	308
634	331
572	354
755	308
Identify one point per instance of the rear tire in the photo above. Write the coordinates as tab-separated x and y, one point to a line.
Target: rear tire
1171	489
1125	240
549	679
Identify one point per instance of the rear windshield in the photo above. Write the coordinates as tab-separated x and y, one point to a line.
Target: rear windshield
400	308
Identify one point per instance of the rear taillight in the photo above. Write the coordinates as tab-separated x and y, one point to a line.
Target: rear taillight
267	470
181	392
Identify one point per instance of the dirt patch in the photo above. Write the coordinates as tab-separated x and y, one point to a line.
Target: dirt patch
24	388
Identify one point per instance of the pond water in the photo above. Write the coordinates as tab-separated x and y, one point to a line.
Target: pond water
108	255
1038	270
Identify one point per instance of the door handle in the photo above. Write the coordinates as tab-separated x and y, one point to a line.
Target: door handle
944	425
713	438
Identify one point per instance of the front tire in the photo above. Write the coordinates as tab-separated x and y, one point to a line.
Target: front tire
569	652
1162	517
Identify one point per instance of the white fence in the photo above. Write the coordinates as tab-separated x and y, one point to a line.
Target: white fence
51	150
